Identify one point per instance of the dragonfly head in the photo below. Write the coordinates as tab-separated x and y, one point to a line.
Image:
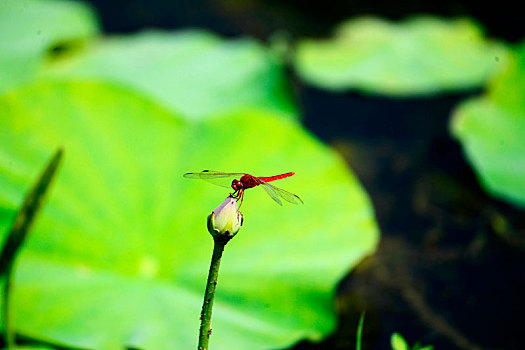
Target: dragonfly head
237	185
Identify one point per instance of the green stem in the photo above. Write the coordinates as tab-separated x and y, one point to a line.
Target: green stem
8	329
207	305
360	331
16	237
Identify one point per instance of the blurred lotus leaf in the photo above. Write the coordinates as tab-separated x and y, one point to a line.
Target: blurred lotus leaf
120	253
29	28
422	55
398	342
194	73
491	130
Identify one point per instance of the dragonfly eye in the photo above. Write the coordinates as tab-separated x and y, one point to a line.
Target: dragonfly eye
236	185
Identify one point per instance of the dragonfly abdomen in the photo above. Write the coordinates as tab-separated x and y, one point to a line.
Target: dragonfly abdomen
276	177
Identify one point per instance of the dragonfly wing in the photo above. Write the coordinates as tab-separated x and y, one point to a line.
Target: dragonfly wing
215	177
288	196
276	192
270	190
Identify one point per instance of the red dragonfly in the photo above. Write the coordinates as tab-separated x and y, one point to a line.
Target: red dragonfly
229	180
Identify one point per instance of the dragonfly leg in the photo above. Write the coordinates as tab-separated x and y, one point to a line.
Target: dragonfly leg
241	194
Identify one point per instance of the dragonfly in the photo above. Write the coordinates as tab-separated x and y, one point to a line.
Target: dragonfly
240	182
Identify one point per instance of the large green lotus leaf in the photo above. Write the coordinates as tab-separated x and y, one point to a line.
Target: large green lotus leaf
120	253
29	28
421	55
491	130
192	72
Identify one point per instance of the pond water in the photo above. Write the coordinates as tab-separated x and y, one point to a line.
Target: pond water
448	265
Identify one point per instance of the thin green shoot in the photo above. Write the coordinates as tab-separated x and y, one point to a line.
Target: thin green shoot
17	235
360	331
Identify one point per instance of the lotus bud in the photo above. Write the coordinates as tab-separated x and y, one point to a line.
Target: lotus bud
225	221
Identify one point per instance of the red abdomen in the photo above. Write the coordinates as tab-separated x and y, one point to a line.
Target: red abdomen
276	177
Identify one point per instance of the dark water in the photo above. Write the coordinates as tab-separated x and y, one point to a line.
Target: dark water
260	18
449	266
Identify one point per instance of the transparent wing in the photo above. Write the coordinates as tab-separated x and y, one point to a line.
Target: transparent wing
276	193
215	177
271	193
